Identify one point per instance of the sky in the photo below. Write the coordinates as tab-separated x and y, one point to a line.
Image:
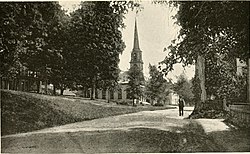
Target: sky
155	28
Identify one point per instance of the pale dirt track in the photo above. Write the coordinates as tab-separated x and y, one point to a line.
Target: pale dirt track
147	131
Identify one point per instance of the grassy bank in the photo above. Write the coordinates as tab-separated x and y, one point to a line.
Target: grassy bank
24	112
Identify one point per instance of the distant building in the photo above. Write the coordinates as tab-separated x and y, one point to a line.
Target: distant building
173	98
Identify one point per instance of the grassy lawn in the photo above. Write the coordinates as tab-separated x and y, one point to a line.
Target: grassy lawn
24	112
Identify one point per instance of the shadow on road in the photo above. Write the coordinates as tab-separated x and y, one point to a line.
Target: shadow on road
144	132
190	138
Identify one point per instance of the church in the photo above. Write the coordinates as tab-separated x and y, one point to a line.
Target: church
120	95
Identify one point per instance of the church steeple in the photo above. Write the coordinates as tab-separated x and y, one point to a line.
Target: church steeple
136	54
136	40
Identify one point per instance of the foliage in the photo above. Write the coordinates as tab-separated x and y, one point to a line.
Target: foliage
135	84
41	50
183	87
237	93
223	78
218	31
16	19
69	51
209	28
157	88
95	42
60	74
31	38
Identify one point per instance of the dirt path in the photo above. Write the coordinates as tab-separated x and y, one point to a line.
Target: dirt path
147	131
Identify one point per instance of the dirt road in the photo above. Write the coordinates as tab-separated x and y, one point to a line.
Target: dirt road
147	131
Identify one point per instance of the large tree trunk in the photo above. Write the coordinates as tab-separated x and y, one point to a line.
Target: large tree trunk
8	85
46	87
248	80
200	70
84	92
62	90
134	101
54	89
108	95
17	84
92	97
11	84
39	83
1	85
201	74
28	85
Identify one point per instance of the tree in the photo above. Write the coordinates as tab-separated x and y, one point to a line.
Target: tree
14	27
79	50
135	84
96	42
157	88
44	52
27	36
183	87
210	30
61	73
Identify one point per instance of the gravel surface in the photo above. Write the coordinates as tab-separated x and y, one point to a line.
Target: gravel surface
146	131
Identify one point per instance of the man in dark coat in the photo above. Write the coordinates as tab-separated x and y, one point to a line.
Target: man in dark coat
181	106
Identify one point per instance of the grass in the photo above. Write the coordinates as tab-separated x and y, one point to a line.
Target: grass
24	112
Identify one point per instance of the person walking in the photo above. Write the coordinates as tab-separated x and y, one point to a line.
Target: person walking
181	106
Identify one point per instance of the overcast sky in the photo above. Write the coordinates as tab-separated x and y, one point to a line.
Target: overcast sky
156	29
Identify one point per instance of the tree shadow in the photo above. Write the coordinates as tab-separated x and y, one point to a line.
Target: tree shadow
188	138
233	139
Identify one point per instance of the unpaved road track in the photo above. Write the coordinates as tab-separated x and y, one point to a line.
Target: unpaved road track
147	131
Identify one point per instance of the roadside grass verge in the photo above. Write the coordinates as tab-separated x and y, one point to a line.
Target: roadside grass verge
24	112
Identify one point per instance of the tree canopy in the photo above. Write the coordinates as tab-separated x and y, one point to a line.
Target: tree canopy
217	31
157	87
67	50
26	32
208	29
183	87
135	84
95	42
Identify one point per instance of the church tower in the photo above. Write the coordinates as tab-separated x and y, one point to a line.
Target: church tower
136	54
